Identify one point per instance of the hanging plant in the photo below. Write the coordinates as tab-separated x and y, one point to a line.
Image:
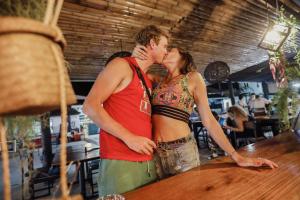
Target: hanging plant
277	66
286	99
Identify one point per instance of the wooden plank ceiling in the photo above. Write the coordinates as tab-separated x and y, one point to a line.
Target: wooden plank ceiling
212	30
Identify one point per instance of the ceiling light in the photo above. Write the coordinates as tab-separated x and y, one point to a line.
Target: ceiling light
274	37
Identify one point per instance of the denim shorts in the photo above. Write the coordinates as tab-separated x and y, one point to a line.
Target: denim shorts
176	156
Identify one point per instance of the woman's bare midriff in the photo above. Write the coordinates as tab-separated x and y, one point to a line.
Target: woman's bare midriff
167	129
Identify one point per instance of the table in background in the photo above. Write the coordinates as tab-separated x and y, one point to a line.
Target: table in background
267	121
76	153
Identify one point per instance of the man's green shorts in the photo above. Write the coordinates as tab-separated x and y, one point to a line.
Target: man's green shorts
119	176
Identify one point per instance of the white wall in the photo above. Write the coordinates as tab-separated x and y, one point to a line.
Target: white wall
251	87
75	122
55	122
272	88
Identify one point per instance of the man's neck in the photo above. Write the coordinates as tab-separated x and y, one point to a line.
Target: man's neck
144	64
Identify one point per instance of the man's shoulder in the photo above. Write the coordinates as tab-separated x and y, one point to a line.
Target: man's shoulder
119	65
118	62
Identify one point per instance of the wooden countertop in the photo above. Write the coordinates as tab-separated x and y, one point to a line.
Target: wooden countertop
223	179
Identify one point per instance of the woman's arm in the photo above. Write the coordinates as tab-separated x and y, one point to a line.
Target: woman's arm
208	120
239	126
198	89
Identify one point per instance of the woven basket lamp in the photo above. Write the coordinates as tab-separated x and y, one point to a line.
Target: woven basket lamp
31	55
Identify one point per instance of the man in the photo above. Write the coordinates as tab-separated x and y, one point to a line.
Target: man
242	102
261	103
125	118
251	101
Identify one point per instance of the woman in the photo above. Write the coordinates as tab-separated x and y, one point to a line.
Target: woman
239	117
172	101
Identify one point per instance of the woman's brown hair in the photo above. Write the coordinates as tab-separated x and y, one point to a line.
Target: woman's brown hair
188	62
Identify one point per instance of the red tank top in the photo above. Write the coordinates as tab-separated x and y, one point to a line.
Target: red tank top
131	108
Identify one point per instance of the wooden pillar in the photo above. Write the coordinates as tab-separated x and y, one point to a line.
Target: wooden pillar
265	89
231	92
46	140
69	119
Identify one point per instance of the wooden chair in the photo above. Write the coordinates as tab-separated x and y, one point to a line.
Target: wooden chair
92	168
259	112
247	136
41	178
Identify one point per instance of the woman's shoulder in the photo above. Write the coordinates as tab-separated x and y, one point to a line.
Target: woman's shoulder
194	76
195	79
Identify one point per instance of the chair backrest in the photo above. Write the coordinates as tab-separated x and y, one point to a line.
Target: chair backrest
259	112
249	130
86	150
250	125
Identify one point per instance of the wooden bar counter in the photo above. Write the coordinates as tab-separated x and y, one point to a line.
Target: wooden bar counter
223	179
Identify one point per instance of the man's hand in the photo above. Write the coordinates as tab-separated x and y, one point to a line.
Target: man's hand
140	144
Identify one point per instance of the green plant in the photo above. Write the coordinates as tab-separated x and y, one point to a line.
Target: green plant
20	128
286	99
282	99
34	9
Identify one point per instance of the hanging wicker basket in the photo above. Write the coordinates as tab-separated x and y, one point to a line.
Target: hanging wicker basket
31	54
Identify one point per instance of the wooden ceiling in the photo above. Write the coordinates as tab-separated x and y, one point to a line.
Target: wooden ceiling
212	30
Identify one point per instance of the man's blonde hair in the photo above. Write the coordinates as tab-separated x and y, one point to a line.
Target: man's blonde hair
149	32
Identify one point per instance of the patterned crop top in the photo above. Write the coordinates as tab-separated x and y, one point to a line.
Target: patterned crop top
173	99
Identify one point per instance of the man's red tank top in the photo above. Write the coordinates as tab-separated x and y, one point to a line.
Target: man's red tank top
132	109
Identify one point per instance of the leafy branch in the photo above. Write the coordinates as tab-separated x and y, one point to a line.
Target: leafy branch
287	95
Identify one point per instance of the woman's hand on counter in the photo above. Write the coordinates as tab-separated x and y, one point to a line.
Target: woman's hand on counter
252	162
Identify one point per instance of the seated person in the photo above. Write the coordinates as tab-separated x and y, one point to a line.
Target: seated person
260	104
251	101
242	124
238	116
76	136
242	102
